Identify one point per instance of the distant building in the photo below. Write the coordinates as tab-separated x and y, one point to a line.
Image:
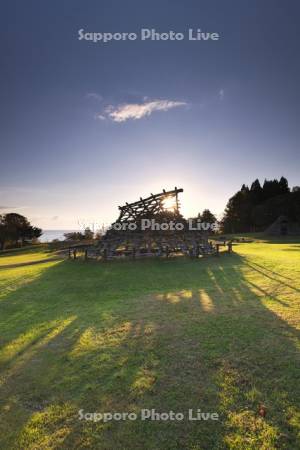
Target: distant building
283	226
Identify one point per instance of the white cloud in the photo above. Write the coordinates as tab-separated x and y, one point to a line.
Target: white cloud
221	94
94	96
121	113
100	117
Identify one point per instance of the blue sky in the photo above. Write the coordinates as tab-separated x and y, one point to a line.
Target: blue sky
87	126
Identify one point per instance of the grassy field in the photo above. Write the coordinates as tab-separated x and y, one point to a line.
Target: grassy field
219	334
26	255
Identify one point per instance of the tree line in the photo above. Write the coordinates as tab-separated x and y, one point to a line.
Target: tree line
256	207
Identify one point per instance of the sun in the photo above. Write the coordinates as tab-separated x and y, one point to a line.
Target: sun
169	203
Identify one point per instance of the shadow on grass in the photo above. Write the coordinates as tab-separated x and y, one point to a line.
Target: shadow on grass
272	276
169	335
272	272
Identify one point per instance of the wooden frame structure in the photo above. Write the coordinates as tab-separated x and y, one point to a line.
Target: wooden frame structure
140	243
137	243
150	206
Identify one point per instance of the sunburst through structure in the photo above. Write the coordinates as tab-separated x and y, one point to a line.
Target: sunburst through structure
127	237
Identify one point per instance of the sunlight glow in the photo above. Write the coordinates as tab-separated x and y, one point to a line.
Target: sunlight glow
169	204
176	297
206	301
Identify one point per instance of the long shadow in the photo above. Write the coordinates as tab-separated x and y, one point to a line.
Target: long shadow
273	272
262	271
169	335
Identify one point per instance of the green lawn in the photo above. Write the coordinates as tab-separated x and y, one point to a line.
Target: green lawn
219	334
24	255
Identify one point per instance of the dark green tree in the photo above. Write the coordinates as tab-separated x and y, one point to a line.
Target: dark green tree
256	192
2	232
207	216
17	229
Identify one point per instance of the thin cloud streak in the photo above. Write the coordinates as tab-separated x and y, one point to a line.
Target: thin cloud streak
135	111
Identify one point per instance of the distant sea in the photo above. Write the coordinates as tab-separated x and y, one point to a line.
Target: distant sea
49	235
